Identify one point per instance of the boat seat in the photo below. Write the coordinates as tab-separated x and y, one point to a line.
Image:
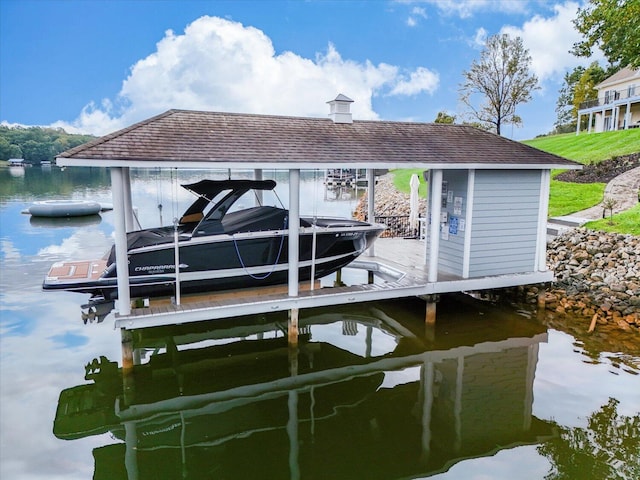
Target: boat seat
192	218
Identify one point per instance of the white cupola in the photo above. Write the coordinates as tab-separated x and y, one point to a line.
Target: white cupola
340	109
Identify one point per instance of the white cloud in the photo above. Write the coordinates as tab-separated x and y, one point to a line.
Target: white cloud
549	41
416	14
9	250
422	80
222	65
4	123
480	40
467	8
84	243
93	119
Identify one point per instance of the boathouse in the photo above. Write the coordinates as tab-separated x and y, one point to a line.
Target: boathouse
486	215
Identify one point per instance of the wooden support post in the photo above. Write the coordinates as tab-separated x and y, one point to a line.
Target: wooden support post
542	293
128	385
542	302
293	327
338	280
430	318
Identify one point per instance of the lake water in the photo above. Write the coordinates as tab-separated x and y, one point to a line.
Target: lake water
371	393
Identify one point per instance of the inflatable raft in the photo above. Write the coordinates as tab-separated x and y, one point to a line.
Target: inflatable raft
64	208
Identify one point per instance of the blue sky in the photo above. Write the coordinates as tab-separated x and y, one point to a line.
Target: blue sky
95	66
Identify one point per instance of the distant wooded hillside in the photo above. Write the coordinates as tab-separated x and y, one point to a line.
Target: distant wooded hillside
37	144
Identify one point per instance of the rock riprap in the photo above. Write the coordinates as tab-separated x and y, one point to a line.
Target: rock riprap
597	276
388	200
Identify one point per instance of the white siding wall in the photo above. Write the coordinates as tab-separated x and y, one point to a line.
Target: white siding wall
452	248
505	222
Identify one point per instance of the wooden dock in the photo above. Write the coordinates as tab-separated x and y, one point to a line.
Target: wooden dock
399	271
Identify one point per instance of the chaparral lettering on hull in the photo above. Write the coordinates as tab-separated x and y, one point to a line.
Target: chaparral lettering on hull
158	268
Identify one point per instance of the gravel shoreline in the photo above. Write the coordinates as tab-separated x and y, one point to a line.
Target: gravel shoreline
597	273
597	278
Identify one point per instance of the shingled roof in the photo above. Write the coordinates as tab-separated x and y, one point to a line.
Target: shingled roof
196	139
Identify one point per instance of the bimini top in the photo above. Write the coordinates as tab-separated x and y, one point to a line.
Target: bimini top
211	188
212	140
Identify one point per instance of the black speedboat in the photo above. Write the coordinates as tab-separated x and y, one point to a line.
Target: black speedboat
221	246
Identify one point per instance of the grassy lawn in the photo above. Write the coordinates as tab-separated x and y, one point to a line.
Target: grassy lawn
566	198
401	181
625	222
586	148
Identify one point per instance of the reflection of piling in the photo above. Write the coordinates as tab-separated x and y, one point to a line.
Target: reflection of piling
293	422
427	377
128	386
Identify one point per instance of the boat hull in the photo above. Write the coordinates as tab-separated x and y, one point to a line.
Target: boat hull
223	262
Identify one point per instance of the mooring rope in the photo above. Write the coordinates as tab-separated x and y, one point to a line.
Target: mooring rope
273	267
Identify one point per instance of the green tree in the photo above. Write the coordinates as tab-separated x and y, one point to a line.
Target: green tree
585	88
566	116
8	150
35	144
579	87
35	152
608	448
444	117
614	27
502	78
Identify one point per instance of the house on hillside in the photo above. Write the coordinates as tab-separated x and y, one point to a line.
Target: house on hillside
617	106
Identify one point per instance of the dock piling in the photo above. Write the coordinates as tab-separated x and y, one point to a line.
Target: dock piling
430	318
542	292
293	327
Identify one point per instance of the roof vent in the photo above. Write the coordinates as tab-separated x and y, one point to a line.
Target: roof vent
340	109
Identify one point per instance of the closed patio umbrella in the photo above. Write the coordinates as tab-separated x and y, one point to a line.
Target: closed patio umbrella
414	183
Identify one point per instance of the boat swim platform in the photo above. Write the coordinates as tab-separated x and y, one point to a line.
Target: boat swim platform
398	268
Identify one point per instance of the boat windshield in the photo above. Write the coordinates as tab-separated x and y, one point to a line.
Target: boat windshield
217	198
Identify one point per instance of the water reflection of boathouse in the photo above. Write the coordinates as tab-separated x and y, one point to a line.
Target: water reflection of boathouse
364	396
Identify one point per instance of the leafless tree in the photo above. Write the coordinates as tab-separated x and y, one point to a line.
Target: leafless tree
502	78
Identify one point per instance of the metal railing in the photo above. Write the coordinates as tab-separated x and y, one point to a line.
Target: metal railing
610	97
397	226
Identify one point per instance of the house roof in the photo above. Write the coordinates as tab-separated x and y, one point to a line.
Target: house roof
621	76
197	139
